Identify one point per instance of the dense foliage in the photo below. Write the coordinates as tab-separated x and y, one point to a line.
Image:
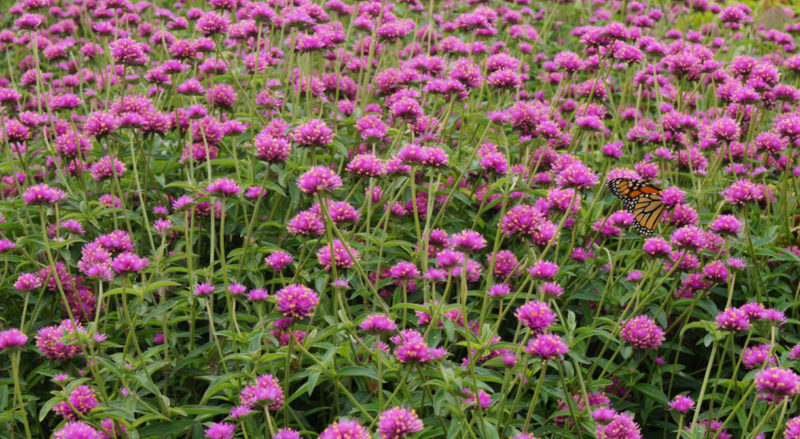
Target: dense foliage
389	219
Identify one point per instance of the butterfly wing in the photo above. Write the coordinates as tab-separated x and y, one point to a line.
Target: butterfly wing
647	211
641	199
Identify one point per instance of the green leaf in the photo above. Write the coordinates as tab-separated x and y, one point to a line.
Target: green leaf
653	392
356	371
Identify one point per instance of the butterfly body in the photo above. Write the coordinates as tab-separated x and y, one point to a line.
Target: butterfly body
642	199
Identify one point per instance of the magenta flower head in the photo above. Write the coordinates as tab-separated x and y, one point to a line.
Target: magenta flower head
28	282
412	348
306	223
267	392
467	241
312	134
471	401
544	270
377	323
657	246
577	175
642	333
128	51
792	430
317	180
286	433
12	339
682	404
523	220
128	262
777	382
107	167
404	270
221	95
82	398
547	346
733	319
43	194
345	429
536	315
621	427
271	148
278	260
398	422
220	430
76	430
29	21
726	225
211	23
224	187
366	165
337	254
203	289
52	343
743	191
499	290
296	301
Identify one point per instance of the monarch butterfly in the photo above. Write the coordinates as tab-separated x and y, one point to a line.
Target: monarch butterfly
641	199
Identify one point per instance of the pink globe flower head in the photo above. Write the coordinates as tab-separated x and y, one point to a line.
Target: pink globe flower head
642	333
12	339
398	422
404	271
547	346
220	430
28	282
271	148
757	356
128	262
306	223
82	399
726	225
267	392
317	180
345	429
287	433
107	167
743	191
792	429
338	254
224	187
221	95
682	404
58	342
537	316
76	430
314	133
543	270
471	401
621	427
278	260
366	165
128	51
378	323
498	290
733	319
467	241
203	289
411	347
212	23
777	383
43	194
296	301
521	220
